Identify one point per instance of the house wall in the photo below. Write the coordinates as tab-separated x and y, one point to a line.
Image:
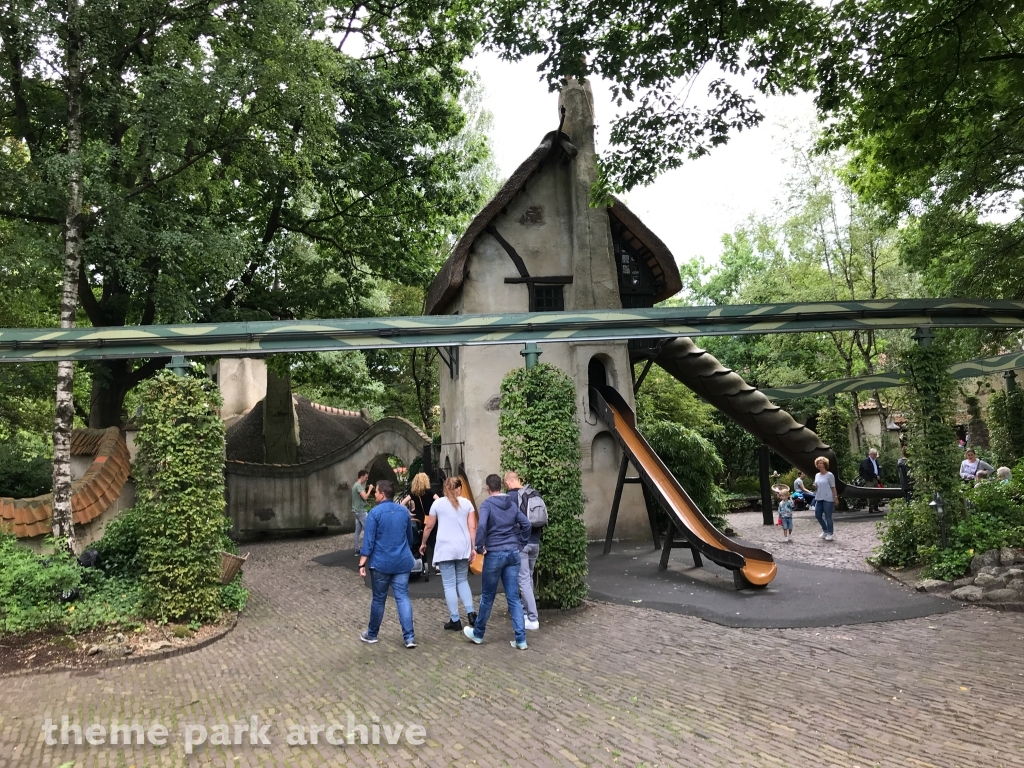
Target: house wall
552	227
242	382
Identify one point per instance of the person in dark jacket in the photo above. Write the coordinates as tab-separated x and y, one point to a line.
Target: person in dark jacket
871	473
387	551
502	532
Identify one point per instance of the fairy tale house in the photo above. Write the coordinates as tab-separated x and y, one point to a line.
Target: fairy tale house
538	246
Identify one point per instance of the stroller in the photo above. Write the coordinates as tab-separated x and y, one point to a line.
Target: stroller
421	563
802	500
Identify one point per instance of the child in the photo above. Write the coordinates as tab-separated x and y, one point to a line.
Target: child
786	516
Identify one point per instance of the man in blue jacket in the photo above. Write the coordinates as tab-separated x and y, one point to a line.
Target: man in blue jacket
387	549
500	535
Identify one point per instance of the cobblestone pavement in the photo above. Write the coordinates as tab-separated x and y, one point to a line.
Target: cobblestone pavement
854	539
608	685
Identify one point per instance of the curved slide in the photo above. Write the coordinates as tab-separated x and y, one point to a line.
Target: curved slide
751	409
755	565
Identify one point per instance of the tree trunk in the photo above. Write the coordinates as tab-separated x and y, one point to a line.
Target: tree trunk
110	384
63	524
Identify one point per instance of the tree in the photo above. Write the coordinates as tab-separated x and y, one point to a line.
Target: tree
654	53
926	96
255	159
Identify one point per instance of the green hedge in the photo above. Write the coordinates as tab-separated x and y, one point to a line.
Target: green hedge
540	441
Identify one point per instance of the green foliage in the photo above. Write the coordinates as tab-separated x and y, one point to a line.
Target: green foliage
26	466
932	451
904	532
119	547
645	50
540	440
339	379
1006	425
180	497
32	585
695	464
664	398
925	95
833	429
737	449
233	596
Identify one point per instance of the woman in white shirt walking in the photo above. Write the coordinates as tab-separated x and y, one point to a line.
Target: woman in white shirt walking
456	529
824	497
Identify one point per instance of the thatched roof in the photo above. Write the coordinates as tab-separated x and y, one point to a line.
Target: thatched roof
449	279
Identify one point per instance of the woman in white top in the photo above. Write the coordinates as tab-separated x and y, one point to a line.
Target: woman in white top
455	519
824	497
971	464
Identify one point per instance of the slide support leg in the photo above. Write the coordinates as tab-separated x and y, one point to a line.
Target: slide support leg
666	548
614	514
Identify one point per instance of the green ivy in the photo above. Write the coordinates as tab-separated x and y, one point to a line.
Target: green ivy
833	429
1006	425
179	472
695	463
540	441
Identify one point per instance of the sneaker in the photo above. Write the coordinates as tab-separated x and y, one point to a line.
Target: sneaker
365	637
789	539
410	644
828	537
469	632
520	646
455	626
821	535
532	625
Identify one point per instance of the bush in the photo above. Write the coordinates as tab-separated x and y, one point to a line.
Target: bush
1006	426
179	471
119	548
26	466
540	441
695	463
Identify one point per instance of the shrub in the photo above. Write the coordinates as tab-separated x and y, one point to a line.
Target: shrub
540	441
119	548
903	531
1006	426
695	463
179	471
26	466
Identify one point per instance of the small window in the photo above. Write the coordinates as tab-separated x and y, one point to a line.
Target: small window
548	298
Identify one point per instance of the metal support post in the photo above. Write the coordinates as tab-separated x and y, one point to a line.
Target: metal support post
764	467
532	354
614	514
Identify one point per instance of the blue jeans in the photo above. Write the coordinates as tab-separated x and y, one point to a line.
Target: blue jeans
502	565
455	578
823	514
357	535
399	583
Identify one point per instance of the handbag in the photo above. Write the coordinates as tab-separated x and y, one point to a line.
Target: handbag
476	565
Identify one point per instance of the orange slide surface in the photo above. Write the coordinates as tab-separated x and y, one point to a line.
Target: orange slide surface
756	565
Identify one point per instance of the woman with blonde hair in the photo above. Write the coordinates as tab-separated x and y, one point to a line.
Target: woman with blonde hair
420	497
455	519
824	497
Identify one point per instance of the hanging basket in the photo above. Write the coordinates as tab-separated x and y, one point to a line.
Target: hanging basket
230	565
779	488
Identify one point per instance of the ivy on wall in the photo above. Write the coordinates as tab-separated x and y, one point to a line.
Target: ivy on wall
540	441
932	450
1006	425
179	473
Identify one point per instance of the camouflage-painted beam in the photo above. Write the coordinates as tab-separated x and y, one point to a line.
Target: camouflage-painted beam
255	338
982	366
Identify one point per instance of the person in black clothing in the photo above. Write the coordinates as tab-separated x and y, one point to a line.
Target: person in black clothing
421	495
871	473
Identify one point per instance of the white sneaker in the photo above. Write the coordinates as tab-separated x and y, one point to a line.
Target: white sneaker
532	625
828	537
821	535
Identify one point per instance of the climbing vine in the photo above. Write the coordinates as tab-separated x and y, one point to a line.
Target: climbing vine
1006	425
179	473
540	441
931	437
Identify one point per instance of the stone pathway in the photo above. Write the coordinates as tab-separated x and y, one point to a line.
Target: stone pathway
854	539
610	685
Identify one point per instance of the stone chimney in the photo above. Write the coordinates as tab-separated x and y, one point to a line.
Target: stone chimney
596	284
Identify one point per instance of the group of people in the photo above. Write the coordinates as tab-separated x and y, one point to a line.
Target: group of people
506	534
975	470
824	500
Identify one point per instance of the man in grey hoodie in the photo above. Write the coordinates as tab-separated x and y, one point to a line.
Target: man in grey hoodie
500	535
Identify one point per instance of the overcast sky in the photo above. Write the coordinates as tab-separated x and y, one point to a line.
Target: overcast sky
689	208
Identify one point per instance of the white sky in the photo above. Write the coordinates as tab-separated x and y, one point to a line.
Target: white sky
689	208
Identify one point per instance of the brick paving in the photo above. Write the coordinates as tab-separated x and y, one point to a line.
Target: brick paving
854	539
609	685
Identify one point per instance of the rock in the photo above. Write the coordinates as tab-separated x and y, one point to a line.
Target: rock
110	650
930	585
964	582
984	559
1015	572
990	570
1015	584
984	580
1007	556
1004	596
967	594
158	646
